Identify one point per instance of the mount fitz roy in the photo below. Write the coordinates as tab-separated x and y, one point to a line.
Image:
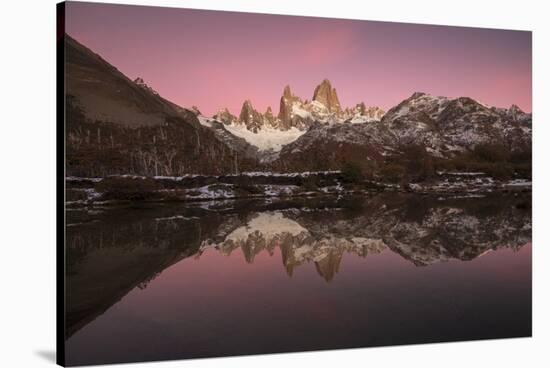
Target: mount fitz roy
295	117
301	114
118	126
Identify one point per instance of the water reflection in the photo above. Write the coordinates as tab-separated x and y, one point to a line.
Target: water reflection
268	230
422	232
115	251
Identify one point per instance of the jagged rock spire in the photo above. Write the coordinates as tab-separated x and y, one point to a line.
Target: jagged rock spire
326	94
268	116
195	110
247	111
225	116
285	107
416	95
250	117
514	112
361	107
515	109
302	114
287	93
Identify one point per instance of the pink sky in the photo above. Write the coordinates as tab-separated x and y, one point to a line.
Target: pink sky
219	59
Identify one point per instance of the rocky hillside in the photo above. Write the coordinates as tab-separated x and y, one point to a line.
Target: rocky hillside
422	127
446	126
105	94
118	126
330	146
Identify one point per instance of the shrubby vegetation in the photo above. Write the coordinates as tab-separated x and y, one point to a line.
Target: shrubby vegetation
99	148
352	173
127	188
310	184
392	172
414	164
493	159
244	186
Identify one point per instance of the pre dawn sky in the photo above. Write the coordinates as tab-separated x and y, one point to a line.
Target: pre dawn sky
219	59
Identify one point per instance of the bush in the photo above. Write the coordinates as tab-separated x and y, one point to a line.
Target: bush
464	162
352	173
75	195
445	165
491	152
244	186
126	188
500	171
418	163
246	189
309	184
523	170
523	155
392	172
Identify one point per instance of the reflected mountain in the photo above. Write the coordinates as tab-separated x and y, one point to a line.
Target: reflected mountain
421	235
268	230
112	252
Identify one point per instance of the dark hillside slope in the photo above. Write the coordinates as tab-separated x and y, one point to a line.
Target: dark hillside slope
116	126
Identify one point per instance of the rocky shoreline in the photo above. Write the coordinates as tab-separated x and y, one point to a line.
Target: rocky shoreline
113	190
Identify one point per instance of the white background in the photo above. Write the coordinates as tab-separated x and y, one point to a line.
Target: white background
27	182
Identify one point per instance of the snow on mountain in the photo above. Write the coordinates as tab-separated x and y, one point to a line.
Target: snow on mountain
443	127
269	225
235	141
361	114
303	128
323	108
446	125
207	122
265	138
296	116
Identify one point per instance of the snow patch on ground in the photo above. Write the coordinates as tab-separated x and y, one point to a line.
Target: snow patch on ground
177	217
288	175
457	173
211	192
272	190
75	178
519	182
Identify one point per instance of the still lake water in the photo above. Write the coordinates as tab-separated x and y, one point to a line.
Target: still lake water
246	277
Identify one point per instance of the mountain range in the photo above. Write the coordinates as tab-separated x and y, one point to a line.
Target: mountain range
294	112
116	125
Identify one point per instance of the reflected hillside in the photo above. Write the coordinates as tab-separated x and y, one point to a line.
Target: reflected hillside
111	252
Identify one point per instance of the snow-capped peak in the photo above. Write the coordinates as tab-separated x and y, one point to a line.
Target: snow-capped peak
295	117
